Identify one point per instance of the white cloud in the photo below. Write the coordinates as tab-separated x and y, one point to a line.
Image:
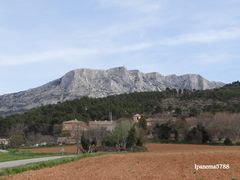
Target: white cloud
67	54
53	55
116	30
100	50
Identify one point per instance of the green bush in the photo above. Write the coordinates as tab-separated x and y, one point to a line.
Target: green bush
228	142
85	142
198	135
131	139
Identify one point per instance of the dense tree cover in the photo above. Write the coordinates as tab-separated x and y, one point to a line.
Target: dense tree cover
165	131
168	132
236	83
198	135
182	102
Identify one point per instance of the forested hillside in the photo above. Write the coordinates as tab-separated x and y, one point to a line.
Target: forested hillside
178	103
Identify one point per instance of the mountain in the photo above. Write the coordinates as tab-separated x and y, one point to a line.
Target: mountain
98	83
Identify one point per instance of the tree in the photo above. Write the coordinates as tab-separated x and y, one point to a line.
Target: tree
57	130
180	91
181	127
94	141
17	136
193	112
121	132
140	136
178	112
142	123
131	138
164	131
198	135
228	141
16	140
85	143
205	134
98	134
119	135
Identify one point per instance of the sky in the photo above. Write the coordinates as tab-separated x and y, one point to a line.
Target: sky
41	40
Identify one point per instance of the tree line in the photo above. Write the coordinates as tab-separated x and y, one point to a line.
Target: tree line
44	120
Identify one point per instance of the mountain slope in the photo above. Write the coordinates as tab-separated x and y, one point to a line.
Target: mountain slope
98	83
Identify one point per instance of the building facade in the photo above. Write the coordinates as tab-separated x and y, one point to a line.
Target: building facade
136	117
4	141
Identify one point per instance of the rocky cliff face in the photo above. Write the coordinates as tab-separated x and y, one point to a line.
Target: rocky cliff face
98	83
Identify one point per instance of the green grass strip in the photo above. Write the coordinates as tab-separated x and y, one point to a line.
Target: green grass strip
45	164
4	157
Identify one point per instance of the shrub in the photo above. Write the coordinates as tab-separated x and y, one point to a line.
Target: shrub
164	131
198	135
228	141
131	138
142	123
85	143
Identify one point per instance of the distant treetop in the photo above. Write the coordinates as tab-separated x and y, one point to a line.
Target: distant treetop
235	83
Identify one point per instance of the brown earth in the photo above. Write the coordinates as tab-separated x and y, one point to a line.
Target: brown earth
67	149
166	162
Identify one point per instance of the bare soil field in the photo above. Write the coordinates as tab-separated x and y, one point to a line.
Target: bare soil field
67	149
162	161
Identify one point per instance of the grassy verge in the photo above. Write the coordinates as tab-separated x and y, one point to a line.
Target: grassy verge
15	155
36	166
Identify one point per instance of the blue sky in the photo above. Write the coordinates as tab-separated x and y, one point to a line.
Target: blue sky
41	40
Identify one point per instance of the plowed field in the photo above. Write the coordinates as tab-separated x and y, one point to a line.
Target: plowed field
67	149
166	162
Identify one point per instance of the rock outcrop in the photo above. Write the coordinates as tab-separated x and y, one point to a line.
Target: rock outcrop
98	83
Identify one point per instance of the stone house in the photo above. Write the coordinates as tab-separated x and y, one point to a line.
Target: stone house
74	129
4	141
74	126
108	125
66	140
136	117
150	123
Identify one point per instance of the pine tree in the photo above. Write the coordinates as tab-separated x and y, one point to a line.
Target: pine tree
131	139
85	143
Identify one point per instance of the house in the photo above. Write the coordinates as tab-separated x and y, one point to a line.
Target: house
150	123
74	129
73	125
108	125
136	117
4	141
66	140
71	131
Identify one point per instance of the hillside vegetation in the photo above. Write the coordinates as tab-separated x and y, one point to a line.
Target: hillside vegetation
178	103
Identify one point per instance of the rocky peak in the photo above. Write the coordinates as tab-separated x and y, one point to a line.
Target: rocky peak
99	83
